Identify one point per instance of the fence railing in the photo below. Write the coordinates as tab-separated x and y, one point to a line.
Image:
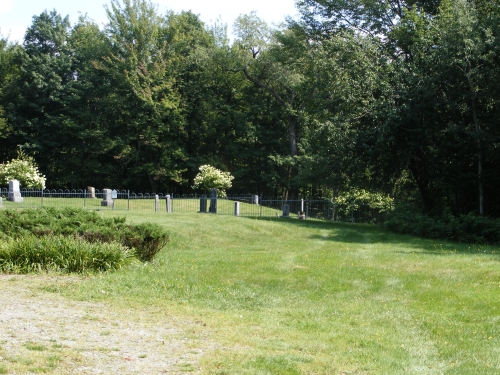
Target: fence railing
247	205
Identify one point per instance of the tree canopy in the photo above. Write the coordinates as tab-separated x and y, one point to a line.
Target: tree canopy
394	97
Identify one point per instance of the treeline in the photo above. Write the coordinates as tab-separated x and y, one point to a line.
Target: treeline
395	97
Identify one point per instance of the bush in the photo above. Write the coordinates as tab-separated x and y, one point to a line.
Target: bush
464	228
30	253
210	177
146	239
25	170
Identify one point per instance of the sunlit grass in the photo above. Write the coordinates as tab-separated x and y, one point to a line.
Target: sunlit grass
294	297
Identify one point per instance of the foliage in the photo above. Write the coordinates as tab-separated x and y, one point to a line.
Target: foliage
357	197
25	170
144	239
30	253
357	93
469	228
210	177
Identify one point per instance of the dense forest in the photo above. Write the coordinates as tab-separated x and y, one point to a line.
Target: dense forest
396	97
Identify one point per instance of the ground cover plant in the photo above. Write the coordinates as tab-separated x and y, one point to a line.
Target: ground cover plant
73	240
296	297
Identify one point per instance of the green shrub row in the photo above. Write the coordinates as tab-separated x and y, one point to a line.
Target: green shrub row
82	228
30	253
468	228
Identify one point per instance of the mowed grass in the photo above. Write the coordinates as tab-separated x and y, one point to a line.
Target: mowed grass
285	296
183	205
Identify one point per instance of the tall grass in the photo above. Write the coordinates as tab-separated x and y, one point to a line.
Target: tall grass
294	297
30	253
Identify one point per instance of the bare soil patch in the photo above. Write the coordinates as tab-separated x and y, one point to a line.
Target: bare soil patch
42	331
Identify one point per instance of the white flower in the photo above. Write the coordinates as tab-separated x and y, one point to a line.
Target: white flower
24	170
210	177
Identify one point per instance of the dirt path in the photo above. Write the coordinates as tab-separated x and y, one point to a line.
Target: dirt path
44	332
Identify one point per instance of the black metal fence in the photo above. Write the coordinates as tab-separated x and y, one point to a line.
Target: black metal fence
239	205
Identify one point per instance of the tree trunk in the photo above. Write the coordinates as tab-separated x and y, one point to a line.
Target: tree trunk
422	184
478	146
292	125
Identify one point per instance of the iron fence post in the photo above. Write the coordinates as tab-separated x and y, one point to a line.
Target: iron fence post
42	198
128	200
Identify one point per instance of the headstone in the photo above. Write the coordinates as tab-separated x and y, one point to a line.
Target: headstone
169	203
213	201
106	198
114	194
157	203
255	199
91	191
14	192
286	210
236	208
203	203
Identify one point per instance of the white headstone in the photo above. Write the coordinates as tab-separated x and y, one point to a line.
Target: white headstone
114	194
91	191
157	203
14	192
236	208
169	203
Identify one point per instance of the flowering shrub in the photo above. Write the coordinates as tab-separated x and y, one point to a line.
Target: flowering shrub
23	169
210	177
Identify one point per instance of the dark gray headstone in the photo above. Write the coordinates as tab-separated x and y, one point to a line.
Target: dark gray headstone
213	201
203	203
286	210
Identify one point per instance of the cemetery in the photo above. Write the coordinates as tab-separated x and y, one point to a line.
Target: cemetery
317	196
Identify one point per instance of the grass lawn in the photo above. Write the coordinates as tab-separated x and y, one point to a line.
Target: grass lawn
284	296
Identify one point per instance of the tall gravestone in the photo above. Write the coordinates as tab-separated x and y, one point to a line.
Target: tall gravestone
236	208
169	203
213	201
286	210
14	192
91	191
203	203
106	198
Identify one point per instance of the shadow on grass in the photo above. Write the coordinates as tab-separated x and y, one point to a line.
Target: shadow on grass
373	234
